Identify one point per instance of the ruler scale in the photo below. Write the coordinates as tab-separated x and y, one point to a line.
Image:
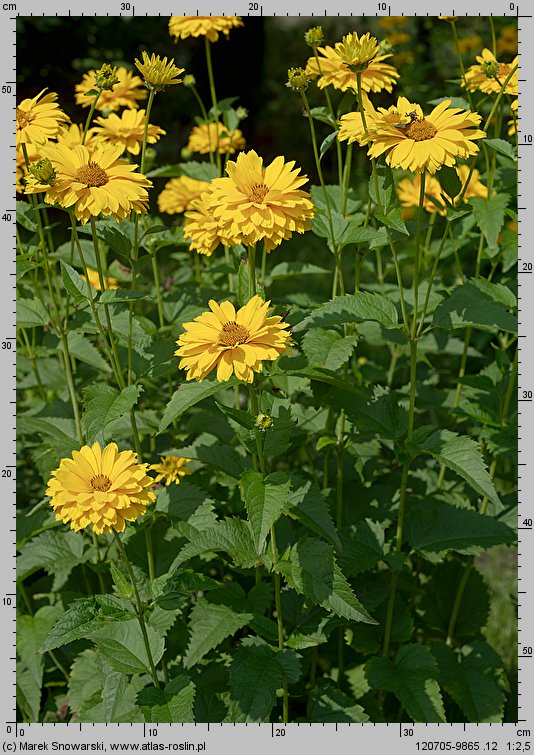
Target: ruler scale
264	738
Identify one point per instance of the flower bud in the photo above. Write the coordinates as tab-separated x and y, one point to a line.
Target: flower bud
385	47
43	171
314	37
297	79
186	154
241	113
189	80
106	77
490	68
263	422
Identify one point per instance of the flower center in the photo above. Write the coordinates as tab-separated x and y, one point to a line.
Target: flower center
421	130
91	175
258	192
23	118
233	334
100	482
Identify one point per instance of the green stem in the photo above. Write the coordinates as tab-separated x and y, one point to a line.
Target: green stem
338	143
98	560
418	254
90	116
150	553
280	624
33	360
493	37
139	609
70	385
263	265
211	78
206	120
431	281
461	63
457	602
145	132
251	271
254	410
157	285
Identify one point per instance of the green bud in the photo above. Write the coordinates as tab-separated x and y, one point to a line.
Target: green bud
385	47
263	422
490	68
241	113
186	154
43	171
189	80
106	77
297	79
314	37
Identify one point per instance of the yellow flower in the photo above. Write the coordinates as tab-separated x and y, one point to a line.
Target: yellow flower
351	124
426	143
408	190
157	73
450	19
21	169
468	44
207	138
255	203
39	119
171	468
200	227
124	94
71	136
398	38
94	279
507	40
475	188
181	27
390	22
337	65
512	123
179	193
233	342
103	488
127	130
477	78
93	181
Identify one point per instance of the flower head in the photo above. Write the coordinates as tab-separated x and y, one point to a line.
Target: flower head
339	65
414	142
450	19
110	283
181	27
210	137
102	488
408	190
314	37
127	130
200	227
43	171
255	203
21	168
489	75
263	422
72	135
157	72
39	119
233	342
178	194
93	181
106	77
297	79
171	469
125	93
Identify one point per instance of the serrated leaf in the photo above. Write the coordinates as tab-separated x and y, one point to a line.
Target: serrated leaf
362	547
117	295
307	504
82	349
84	616
411	677
30	312
470	306
330	705
200	171
381	414
187	395
105	404
121	581
382	180
209	625
172	590
231	535
74	284
435	526
173	704
309	568
289	269
123	647
393	219
450	181
473	677
352	308
489	213
502	148
54	551
264	500
26	216
463	456
328	348
118	236
256	672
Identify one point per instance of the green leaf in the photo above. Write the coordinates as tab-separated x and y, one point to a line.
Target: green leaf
209	625
327	143
307	504
209	450
489	213
352	308
121	581
265	500
309	568
54	551
450	181
173	704
104	404
473	677
200	171
84	616
172	590
74	284
380	415
362	547
463	456
501	147
30	312
328	348
411	677
118	236
26	216
256	672
117	295
122	646
435	526
187	395
289	269
242	282
329	705
470	305
82	349
231	535
393	218
385	184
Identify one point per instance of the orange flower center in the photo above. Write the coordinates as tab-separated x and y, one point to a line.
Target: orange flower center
91	175
421	130
258	192
23	118
100	482
233	334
